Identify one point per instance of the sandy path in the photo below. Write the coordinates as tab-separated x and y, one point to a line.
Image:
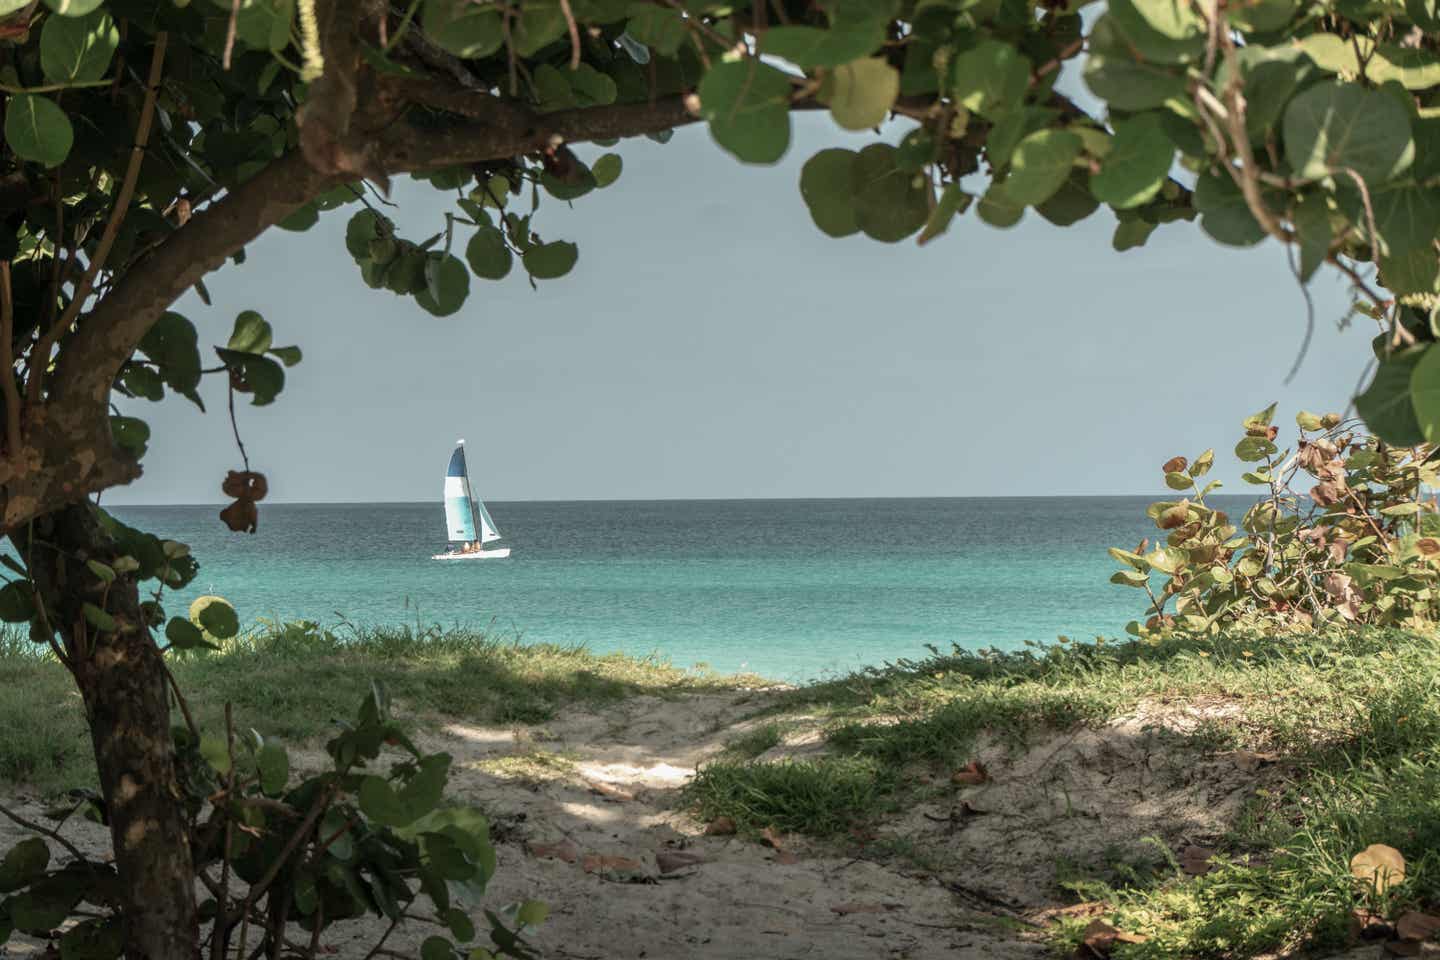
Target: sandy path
604	784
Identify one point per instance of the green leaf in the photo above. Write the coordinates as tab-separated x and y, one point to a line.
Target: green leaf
1333	127
662	29
216	752
990	78
810	47
66	8
1262	419
1138	163
447	285
98	618
436	948
461	928
17	604
251	335
258	375
103	572
273	764
488	255
287	355
94	939
38	130
1425	393
215	616
265	24
130	434
1010	129
1414	68
549	261
1162	31
381	803
172	343
1167	559
1261	16
362	228
302	219
1114	74
747	105
607	169
1386	405
532	912
1041	163
861	93
1130	578
1224	213
469	30
1406	217
184	635
1312	223
953	201
77	49
24	863
1178	481
1130	234
997	208
828	189
890	204
1252	449
1071	203
1417	271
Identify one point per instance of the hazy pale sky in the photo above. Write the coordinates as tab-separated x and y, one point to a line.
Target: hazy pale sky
711	342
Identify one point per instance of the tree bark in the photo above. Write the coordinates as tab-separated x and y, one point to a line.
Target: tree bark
121	676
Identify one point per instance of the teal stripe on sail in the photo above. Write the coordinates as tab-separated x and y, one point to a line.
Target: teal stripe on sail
459	519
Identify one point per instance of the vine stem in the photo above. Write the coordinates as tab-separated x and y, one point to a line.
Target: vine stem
235	427
112	226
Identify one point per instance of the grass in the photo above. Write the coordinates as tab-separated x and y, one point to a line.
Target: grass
1356	716
297	680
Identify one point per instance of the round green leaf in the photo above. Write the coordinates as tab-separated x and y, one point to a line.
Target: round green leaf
607	169
17	601
74	8
1040	164
252	333
662	29
1162	31
38	130
890	204
362	228
24	862
1333	127
184	635
548	261
990	78
1387	405
1114	74
1406	217
437	948
468	30
861	93
215	616
77	49
1261	16
997	208
1137	164
1223	211
747	105
1425	393
447	284
532	912
273	764
488	255
827	186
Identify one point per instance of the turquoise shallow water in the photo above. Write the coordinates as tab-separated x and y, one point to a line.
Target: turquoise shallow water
792	589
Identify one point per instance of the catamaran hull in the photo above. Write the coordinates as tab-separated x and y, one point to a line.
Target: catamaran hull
499	554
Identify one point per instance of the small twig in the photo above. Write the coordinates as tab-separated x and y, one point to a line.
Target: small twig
298	837
1309	314
181	702
1376	300
43	831
380	944
230	33
574	34
7	362
221	936
47	340
235	428
505	16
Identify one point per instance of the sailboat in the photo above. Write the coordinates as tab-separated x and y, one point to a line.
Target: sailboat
466	518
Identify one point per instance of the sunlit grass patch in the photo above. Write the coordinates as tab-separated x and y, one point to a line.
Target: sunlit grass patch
822	797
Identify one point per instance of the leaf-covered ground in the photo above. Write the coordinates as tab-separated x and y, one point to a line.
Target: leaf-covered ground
1202	798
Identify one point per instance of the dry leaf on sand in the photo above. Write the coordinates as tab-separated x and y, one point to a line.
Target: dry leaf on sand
720	827
974	774
669	861
1378	865
564	850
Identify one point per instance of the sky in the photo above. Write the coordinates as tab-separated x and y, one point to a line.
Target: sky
711	342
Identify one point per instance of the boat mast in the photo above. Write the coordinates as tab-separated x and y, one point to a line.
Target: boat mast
470	499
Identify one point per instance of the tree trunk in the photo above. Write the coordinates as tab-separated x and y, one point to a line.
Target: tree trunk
121	677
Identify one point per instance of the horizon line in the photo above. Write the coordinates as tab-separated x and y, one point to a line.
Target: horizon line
374	503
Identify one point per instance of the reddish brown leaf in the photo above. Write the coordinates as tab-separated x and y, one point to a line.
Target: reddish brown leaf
720	827
1428	546
1414	925
669	861
1195	861
973	774
241	516
786	857
1100	937
244	485
1175	465
565	850
771	838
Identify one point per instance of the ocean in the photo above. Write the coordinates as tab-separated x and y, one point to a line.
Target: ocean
790	589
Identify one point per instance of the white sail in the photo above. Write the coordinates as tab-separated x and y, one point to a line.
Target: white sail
465	514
